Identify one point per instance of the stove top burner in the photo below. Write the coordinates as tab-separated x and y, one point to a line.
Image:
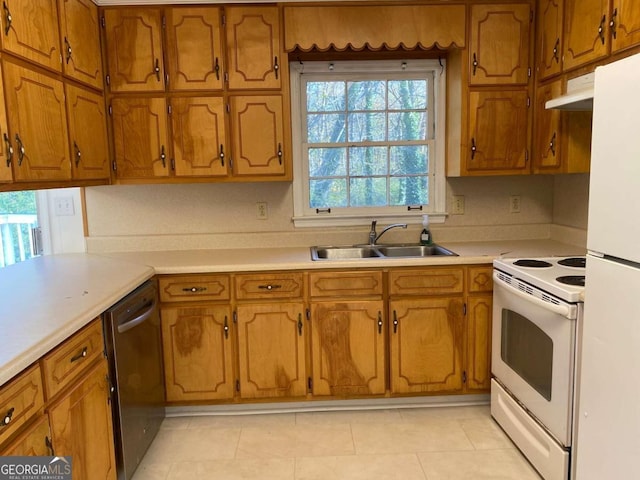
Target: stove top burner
579	262
576	280
527	262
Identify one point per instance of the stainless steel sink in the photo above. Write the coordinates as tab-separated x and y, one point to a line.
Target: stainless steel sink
355	252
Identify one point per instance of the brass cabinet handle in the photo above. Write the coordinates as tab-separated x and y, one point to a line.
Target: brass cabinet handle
269	287
194	289
280	153
276	67
7	18
299	324
552	144
6	420
79	356
217	69
601	28
380	323
67	47
222	154
612	23
473	148
226	327
475	63
9	148
556	47
78	153
156	69
21	150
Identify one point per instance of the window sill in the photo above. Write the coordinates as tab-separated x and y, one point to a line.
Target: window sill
353	220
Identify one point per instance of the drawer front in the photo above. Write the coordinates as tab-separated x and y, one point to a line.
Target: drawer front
432	281
64	364
480	279
277	285
345	284
194	288
20	400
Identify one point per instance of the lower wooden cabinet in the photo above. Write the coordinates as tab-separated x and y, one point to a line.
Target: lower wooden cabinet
479	311
35	441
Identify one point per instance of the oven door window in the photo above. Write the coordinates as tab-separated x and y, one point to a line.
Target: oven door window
528	351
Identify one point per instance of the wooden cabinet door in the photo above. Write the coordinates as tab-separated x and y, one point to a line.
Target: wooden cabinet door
38	125
81	426
134	49
140	137
546	140
198	353
33	442
30	30
271	348
257	135
87	133
625	24
6	148
499	44
199	140
253	43
82	59
348	347
194	48
426	344
479	311
498	132
549	41
585	31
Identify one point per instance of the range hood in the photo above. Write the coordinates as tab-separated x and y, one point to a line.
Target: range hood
579	96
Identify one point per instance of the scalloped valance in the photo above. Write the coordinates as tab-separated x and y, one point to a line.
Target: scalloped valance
377	27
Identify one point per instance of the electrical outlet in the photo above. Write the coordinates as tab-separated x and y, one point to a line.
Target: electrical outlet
63	206
458	205
514	204
262	212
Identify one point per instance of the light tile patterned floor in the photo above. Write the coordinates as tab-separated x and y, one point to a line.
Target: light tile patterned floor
437	443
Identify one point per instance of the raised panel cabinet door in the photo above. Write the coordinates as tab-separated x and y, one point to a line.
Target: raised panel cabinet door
546	140
82	59
199	136
499	44
87	134
140	137
194	48
426	344
198	353
33	442
257	135
6	145
81	426
134	49
625	24
348	348
585	32
30	30
271	349
479	310
549	40
498	132
253	43
38	125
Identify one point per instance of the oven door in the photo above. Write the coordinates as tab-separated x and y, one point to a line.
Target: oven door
533	338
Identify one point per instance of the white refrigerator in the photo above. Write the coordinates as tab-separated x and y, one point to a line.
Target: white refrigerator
607	411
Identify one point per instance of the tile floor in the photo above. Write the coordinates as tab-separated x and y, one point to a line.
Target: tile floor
432	443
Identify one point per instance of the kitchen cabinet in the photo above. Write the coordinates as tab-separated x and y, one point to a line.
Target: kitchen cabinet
348	333
549	38
194	48
6	150
30	30
80	33
585	32
35	441
20	400
478	335
624	25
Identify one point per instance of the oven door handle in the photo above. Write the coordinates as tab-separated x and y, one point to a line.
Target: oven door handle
567	311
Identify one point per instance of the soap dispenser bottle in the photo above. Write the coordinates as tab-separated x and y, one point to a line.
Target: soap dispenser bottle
425	235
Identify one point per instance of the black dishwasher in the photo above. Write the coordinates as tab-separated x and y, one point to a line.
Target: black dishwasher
134	350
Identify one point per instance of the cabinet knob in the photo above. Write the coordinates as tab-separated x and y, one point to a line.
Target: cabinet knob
612	23
556	47
67	48
552	144
8	148
222	155
6	420
473	148
276	67
7	18
78	153
475	63
79	356
21	150
163	156
156	69
601	28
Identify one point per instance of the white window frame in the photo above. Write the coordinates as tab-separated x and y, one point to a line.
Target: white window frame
303	215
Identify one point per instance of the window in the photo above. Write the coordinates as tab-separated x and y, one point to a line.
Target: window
18	227
368	140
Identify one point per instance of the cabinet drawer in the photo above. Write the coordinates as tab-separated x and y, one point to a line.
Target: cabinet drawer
20	399
64	364
432	281
345	284
480	279
276	285
193	288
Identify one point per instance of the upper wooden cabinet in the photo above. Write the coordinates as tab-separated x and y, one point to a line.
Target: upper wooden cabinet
549	38
194	48
253	43
81	41
624	24
30	30
585	31
6	150
134	49
499	44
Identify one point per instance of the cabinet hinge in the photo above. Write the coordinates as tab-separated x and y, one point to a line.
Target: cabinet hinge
310	384
173	164
526	156
529	72
114	165
169	109
237	385
464	309
235	317
164	22
308	313
223	19
528	102
227	106
110	110
103	22
464	376
231	163
108	79
531	16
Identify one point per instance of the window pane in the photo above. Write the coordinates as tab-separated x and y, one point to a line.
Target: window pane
407	94
18	215
409	160
327	162
367	127
409	191
367	95
325	128
368	192
407	126
364	161
328	193
325	96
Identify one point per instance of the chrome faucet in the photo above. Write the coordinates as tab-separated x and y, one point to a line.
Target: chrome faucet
374	237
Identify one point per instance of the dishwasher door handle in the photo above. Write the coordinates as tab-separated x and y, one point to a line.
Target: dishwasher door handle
137	320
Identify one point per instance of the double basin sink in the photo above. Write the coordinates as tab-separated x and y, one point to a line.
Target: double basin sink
355	252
